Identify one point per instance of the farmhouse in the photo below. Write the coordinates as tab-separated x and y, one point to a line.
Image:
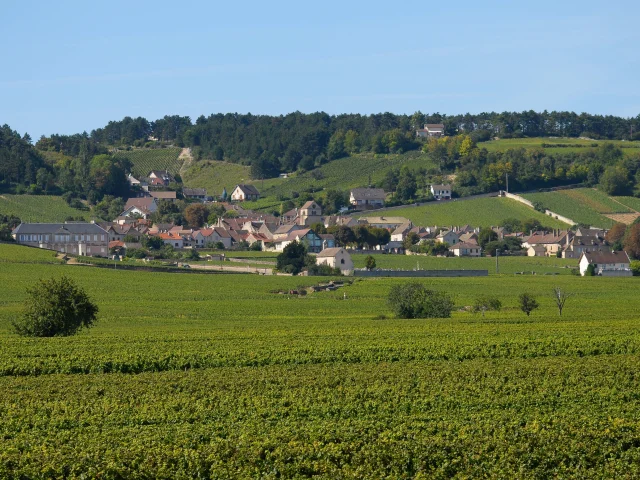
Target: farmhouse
195	193
367	197
431	130
143	207
462	249
448	236
606	264
441	192
244	193
336	258
578	245
78	238
552	242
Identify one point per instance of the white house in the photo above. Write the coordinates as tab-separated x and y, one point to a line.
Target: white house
336	258
462	249
448	236
431	130
441	192
77	238
367	197
244	192
612	264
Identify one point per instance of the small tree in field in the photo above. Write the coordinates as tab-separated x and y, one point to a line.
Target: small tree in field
560	298
412	300
55	308
484	303
370	262
527	303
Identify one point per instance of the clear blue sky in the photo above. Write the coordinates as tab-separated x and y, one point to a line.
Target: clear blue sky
70	66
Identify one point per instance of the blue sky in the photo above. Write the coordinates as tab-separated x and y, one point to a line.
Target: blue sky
72	66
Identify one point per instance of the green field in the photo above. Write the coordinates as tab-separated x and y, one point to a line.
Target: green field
477	212
508	265
215	176
39	208
213	376
146	159
575	145
582	205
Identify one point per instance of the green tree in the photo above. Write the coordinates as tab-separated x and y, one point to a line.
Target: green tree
336	147
615	181
484	303
527	303
196	215
632	241
410	240
407	186
485	236
294	259
55	307
413	300
370	263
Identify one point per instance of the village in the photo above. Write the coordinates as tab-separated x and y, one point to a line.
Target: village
333	239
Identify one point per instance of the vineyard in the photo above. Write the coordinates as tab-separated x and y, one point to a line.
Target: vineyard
559	145
582	205
39	208
146	159
209	376
216	176
477	212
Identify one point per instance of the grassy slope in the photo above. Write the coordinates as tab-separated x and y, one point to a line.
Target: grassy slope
146	159
476	212
628	148
317	385
38	208
215	176
582	205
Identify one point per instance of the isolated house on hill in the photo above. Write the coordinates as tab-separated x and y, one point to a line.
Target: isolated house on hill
441	192
367	197
431	130
244	193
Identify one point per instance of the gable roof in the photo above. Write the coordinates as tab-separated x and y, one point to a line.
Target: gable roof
163	195
248	189
431	126
329	252
368	193
310	204
606	257
140	203
194	192
460	245
441	187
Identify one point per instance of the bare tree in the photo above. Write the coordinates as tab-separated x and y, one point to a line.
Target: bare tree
560	298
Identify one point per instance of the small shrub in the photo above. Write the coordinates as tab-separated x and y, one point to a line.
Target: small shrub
527	303
484	303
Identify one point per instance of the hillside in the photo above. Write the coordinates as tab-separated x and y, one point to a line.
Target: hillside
39	208
559	144
215	176
588	206
477	212
146	159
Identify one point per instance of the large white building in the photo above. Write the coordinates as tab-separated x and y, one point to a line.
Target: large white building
76	238
607	264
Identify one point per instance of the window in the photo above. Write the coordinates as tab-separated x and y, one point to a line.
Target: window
342	261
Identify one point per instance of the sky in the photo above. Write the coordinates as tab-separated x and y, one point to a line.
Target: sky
71	66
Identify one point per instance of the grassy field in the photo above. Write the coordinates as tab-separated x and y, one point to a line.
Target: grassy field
215	176
189	376
582	205
39	208
575	145
480	212
508	265
146	159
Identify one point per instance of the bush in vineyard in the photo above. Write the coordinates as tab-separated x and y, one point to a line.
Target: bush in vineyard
412	300
55	308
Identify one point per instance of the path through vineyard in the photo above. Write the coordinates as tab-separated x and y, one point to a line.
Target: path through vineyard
187	160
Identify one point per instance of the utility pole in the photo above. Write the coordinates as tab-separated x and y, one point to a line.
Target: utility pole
497	265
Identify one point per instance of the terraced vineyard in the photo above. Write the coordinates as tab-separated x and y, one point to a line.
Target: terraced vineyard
39	208
214	376
477	212
146	159
582	205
